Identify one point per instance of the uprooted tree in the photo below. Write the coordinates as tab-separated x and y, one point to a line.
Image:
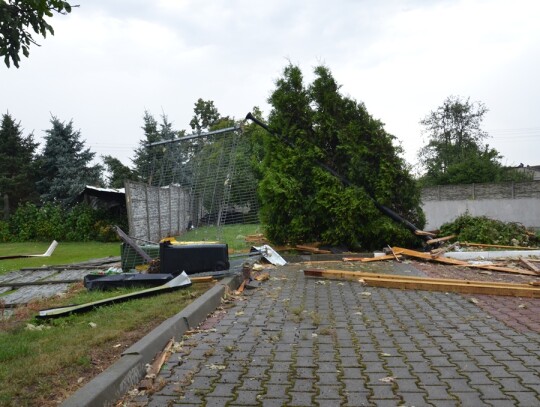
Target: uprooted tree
303	202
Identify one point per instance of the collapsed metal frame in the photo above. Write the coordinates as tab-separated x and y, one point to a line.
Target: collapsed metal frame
205	167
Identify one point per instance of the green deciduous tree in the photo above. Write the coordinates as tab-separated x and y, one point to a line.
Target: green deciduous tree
205	115
65	164
303	202
17	165
455	152
17	17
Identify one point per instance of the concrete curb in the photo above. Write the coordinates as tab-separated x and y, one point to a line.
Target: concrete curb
106	388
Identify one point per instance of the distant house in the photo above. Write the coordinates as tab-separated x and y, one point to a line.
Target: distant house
532	170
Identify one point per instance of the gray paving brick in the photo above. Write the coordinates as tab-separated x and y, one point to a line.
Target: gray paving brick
299	399
525	398
307	385
443	352
328	393
356	399
247	398
414	399
215	401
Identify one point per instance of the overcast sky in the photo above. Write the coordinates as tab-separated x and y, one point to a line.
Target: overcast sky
111	60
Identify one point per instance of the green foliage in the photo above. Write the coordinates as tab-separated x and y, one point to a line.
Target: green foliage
146	159
481	229
205	115
118	172
455	153
17	17
301	201
65	166
54	221
17	165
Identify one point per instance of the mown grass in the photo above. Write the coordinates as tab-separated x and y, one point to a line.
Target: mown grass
65	253
72	252
233	235
41	367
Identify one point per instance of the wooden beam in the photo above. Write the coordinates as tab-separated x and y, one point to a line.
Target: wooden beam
496	246
376	258
529	265
455	262
424	233
441	251
440	239
430	284
312	249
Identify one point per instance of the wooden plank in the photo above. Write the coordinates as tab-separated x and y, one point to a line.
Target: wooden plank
313	250
371	259
455	262
529	265
431	284
440	252
424	233
134	245
396	257
496	246
440	239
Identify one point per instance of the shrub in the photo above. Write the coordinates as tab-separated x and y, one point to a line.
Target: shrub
481	229
53	221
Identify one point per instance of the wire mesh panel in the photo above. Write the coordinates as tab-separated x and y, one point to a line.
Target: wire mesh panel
194	187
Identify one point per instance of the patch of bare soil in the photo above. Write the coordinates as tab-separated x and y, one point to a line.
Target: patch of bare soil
522	314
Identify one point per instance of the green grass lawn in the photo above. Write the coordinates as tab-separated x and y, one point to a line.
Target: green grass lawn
65	253
42	367
233	235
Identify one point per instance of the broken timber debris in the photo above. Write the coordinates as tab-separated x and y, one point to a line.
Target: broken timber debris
529	265
440	239
312	249
447	260
430	284
395	256
439	252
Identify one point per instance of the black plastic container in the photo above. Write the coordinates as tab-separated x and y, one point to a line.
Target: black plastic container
193	258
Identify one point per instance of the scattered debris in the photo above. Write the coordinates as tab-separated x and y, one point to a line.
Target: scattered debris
474	300
430	284
389	379
160	359
455	262
216	367
529	265
440	239
270	254
395	255
440	251
178	282
312	249
262	277
92	324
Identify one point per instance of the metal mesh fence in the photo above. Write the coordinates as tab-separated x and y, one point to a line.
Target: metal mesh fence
196	188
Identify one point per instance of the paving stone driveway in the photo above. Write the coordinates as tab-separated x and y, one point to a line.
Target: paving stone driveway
300	341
